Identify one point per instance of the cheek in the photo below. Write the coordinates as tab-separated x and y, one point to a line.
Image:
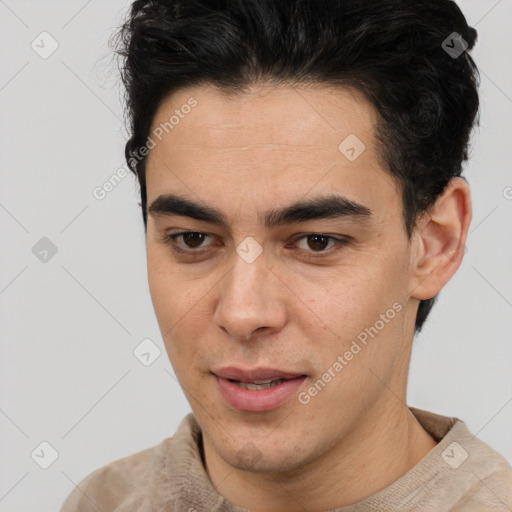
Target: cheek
364	303
180	309
362	345
350	295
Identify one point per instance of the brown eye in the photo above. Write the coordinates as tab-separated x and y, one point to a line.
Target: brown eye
317	242
193	239
317	245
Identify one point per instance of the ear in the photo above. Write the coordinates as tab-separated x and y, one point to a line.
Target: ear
439	240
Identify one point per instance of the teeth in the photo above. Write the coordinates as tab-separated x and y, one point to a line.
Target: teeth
261	384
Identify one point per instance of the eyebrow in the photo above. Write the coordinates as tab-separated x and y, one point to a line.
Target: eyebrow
323	207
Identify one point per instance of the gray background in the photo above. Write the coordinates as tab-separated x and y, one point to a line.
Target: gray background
69	325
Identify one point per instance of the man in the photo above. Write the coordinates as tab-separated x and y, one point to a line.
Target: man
299	164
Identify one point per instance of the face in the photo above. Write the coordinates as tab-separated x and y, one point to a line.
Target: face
321	292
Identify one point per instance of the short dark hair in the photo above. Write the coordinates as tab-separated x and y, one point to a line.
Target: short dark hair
393	51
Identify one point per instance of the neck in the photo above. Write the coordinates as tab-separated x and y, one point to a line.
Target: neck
386	443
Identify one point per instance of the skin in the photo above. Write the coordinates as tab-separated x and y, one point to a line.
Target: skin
245	154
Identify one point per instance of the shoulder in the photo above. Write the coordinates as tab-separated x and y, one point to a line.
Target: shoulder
139	481
468	474
483	474
489	483
119	486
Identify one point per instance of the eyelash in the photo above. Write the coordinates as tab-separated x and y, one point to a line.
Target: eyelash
339	243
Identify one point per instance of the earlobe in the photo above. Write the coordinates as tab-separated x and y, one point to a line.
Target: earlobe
440	240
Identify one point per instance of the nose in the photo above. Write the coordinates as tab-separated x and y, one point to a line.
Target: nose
251	300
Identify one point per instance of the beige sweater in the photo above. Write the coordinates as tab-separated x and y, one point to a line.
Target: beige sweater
461	474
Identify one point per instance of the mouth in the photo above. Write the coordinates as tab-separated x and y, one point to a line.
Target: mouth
261	384
255	375
257	390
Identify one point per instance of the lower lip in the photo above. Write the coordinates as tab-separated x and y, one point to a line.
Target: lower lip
258	400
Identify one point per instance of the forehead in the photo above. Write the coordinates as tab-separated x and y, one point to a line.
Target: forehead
271	143
288	115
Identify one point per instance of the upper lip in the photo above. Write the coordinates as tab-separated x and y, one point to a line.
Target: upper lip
253	374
